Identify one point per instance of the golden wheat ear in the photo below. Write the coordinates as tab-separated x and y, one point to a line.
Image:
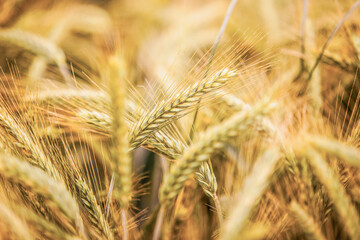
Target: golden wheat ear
166	112
121	163
54	193
39	46
213	139
342	203
306	222
207	180
14	224
254	186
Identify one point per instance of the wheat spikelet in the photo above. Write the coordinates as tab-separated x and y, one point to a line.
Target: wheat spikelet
166	112
336	191
253	188
306	222
213	139
54	193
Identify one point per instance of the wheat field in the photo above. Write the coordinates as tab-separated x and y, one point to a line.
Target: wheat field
184	119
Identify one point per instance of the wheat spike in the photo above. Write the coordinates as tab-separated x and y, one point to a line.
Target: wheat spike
306	222
213	139
14	223
54	193
336	191
207	180
254	186
121	160
37	45
96	215
40	226
166	112
22	144
158	142
341	150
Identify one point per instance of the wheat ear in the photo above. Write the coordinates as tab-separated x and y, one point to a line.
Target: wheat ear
14	222
336	191
41	226
37	45
121	161
350	154
158	142
306	222
166	112
53	192
23	145
97	217
209	142
254	186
